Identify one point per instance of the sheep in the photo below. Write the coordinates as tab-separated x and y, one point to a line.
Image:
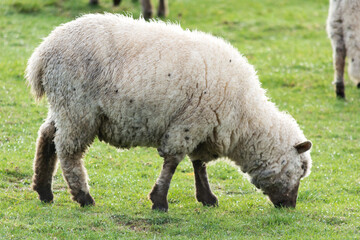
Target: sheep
136	83
146	7
344	32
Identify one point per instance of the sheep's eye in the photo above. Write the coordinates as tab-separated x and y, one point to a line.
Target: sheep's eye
304	167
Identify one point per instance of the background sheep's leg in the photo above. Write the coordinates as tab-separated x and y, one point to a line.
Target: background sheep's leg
158	195
203	191
117	2
162	9
335	31
339	65
94	2
45	161
146	8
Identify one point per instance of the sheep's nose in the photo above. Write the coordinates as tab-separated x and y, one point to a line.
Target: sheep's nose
285	200
286	204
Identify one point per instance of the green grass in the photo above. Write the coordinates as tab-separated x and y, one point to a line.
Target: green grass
284	40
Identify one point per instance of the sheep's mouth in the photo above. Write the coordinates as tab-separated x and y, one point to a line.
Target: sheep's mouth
285	204
287	200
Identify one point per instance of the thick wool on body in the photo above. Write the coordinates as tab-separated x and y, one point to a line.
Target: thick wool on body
142	80
137	83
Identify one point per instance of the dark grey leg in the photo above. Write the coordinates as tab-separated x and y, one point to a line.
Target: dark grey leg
162	8
335	30
94	2
146	9
339	65
45	162
203	191
117	2
158	195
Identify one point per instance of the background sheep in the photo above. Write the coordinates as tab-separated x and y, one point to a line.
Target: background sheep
147	8
344	32
179	91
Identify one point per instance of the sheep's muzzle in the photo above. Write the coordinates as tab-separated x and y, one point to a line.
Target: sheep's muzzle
287	200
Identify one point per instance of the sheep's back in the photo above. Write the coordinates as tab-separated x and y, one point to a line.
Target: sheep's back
140	77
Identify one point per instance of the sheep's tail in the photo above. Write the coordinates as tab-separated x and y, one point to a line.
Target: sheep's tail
34	74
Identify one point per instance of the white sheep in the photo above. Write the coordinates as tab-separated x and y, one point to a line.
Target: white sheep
343	27
137	83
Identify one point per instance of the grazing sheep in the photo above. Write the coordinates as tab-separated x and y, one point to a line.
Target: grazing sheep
146	7
136	83
344	32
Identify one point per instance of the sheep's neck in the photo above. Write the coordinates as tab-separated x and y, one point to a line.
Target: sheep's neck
256	140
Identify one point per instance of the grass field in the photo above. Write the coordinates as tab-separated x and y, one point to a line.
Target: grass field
286	42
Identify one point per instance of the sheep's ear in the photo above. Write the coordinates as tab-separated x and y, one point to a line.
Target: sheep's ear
303	147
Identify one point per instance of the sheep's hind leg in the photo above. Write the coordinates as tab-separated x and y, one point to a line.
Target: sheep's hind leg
45	161
339	65
94	2
70	148
203	191
339	54
161	12
116	2
146	9
158	195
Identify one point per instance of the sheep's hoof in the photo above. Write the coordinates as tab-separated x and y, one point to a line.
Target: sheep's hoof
116	3
45	195
94	2
210	200
340	95
147	14
162	207
159	200
340	90
161	13
84	199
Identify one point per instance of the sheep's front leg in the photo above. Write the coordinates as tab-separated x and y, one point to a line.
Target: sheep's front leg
146	8
335	31
116	2
158	195
203	191
94	2
162	8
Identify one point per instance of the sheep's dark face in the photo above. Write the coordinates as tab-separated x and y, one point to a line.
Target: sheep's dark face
283	199
282	186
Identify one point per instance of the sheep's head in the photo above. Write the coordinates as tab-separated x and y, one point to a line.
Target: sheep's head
281	184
